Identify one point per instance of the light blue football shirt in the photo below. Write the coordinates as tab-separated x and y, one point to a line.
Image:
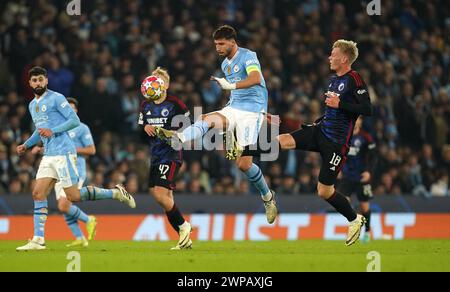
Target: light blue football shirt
81	137
252	99
49	111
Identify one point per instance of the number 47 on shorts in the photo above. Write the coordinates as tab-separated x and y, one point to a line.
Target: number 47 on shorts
163	169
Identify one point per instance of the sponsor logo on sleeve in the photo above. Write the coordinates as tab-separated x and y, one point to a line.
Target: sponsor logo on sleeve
252	61
361	91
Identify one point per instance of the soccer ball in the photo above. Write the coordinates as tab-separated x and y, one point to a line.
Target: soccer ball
152	87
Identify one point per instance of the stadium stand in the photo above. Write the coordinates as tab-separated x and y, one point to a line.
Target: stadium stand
102	56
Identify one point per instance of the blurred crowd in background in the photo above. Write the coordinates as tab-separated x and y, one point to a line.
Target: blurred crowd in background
101	56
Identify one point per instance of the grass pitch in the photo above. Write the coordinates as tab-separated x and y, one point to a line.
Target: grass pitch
231	256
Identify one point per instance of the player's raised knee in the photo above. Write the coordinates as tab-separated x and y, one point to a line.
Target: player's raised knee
244	163
286	141
324	191
322	194
156	195
159	194
73	194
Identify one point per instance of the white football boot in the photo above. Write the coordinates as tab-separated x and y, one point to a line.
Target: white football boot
271	208
31	245
125	196
184	242
354	229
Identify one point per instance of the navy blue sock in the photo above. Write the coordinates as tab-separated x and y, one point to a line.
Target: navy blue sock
342	205
367	216
175	218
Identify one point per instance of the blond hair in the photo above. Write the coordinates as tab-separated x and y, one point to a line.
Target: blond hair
348	48
163	74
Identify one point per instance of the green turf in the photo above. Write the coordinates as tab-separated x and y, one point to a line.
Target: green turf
305	255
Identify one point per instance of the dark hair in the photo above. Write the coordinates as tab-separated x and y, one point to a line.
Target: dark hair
73	101
36	71
225	32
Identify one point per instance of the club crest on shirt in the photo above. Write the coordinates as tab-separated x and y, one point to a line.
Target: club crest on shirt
236	68
165	112
44	108
341	86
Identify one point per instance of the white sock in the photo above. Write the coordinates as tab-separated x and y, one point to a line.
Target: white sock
38	239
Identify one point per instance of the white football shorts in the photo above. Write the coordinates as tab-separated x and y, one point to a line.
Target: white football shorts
63	168
246	124
59	191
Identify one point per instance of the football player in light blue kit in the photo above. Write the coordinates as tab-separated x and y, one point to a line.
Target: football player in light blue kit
244	112
84	143
53	118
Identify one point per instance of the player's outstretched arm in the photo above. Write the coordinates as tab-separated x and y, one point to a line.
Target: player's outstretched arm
223	83
361	94
363	107
87	142
88	150
72	122
33	140
254	78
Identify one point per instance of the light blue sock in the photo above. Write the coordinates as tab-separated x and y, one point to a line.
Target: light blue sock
73	225
77	214
40	217
96	194
195	131
255	176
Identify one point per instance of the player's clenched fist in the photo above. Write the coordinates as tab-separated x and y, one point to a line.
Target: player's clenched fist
332	99
223	83
21	149
150	130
